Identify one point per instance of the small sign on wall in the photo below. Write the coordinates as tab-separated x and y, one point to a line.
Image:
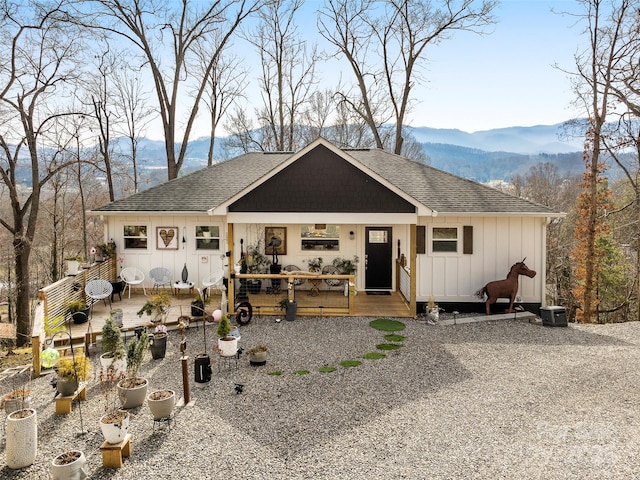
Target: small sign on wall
204	259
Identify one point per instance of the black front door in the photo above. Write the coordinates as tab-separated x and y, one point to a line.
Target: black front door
378	258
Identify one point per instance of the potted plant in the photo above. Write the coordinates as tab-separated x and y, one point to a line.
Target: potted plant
161	403
114	423
315	264
113	353
79	311
290	308
158	342
69	465
21	446
258	263
227	344
73	264
133	389
346	266
257	354
197	305
16	399
105	251
157	306
71	371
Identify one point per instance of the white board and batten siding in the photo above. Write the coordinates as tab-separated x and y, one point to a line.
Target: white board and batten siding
498	243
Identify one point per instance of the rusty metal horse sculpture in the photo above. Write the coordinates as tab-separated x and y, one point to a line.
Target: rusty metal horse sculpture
506	288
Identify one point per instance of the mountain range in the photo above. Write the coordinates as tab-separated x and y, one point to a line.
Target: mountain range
483	156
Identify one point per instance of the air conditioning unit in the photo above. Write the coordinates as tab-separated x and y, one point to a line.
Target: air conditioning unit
553	316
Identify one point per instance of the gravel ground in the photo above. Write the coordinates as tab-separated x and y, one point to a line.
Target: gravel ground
496	399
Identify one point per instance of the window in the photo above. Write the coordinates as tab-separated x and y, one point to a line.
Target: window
320	237
207	237
135	236
444	239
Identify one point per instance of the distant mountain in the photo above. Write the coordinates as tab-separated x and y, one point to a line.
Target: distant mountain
524	140
482	156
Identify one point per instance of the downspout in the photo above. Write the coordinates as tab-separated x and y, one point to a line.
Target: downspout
231	274
413	261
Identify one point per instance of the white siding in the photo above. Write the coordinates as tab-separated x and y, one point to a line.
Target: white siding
498	243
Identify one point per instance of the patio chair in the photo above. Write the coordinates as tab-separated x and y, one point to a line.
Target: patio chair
132	276
214	281
161	277
292	268
332	282
98	290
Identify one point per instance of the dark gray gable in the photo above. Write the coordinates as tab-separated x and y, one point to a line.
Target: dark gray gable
322	181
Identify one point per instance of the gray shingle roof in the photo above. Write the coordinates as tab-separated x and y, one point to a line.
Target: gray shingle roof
210	187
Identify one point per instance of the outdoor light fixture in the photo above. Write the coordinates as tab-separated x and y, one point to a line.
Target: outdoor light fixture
352	235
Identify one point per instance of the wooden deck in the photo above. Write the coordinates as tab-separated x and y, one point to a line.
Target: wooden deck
263	304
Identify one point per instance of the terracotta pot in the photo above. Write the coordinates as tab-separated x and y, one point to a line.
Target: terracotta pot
161	407
22	438
74	470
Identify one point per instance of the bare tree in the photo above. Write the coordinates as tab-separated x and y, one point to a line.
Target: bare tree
149	26
226	83
596	69
385	46
37	70
286	82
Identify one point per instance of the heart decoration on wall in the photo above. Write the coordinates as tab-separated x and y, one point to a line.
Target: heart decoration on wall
167	236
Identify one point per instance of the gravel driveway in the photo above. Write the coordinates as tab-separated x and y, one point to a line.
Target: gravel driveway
497	399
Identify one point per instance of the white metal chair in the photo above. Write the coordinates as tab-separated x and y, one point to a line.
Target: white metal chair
98	290
161	277
332	282
214	280
294	268
132	276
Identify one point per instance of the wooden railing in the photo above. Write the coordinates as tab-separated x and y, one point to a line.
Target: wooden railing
404	281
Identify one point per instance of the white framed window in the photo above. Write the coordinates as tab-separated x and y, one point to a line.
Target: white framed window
207	237
135	236
444	239
320	237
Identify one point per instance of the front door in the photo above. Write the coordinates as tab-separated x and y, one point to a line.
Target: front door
378	258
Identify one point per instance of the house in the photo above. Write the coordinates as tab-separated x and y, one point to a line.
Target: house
415	229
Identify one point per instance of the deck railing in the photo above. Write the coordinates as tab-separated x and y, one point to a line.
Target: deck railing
404	282
55	297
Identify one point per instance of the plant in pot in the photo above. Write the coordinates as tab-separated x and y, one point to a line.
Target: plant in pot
258	354
258	263
290	308
16	399
105	251
73	264
227	344
346	266
114	422
157	307
197	305
161	403
79	311
133	389
69	465
71	371
113	352
158	342
21	425
314	264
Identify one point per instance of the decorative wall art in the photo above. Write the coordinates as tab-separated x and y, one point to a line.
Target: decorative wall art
275	237
167	238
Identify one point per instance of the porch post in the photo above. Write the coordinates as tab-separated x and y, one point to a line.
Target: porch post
230	273
413	260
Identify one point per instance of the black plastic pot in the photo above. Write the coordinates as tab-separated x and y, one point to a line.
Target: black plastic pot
158	345
291	312
254	286
202	368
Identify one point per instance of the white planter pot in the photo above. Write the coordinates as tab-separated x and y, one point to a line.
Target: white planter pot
132	397
163	407
69	471
73	267
114	430
228	346
119	365
22	439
